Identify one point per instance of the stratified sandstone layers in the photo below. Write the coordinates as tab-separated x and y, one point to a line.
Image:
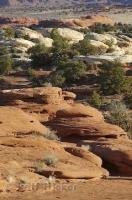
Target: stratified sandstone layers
84	121
23	143
24	148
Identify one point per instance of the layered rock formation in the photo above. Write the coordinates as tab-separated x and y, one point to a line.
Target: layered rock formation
25	155
34	36
42	102
28	156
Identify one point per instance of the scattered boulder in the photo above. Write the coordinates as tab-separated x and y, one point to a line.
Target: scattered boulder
46	41
105	38
34	36
22	32
71	35
98	44
20	42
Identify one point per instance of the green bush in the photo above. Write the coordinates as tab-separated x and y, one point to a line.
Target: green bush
9	32
40	56
95	100
112	78
63	55
101	28
57	78
84	47
6	64
118	115
128	100
73	70
59	41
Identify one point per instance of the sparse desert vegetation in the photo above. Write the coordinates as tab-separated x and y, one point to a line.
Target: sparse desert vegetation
65	108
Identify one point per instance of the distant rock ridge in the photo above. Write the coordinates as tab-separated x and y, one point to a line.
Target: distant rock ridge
60	3
53	23
17	21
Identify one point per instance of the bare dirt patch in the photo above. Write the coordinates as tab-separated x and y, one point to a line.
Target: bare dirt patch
90	190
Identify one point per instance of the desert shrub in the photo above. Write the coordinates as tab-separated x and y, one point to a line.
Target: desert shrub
38	49
51	160
118	115
63	55
57	78
95	100
40	56
109	43
72	70
39	165
101	28
41	61
31	72
36	81
84	47
68	72
112	78
26	37
124	28
51	135
9	32
52	180
128	100
59	41
6	64
4	50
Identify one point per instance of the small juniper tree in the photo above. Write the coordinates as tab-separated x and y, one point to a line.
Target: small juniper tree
112	78
95	100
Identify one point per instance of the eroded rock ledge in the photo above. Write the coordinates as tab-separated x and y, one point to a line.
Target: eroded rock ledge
23	142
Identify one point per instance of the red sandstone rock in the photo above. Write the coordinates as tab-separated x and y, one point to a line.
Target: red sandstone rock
17	21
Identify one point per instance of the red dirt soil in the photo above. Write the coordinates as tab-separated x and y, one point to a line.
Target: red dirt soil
87	190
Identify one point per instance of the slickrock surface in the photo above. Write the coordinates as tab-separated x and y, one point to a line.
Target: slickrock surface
29	156
14	121
84	121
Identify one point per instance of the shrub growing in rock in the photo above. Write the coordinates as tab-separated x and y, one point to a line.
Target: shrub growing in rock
52	135
51	160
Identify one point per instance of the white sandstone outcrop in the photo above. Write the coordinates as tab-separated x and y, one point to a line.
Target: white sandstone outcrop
71	35
102	38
